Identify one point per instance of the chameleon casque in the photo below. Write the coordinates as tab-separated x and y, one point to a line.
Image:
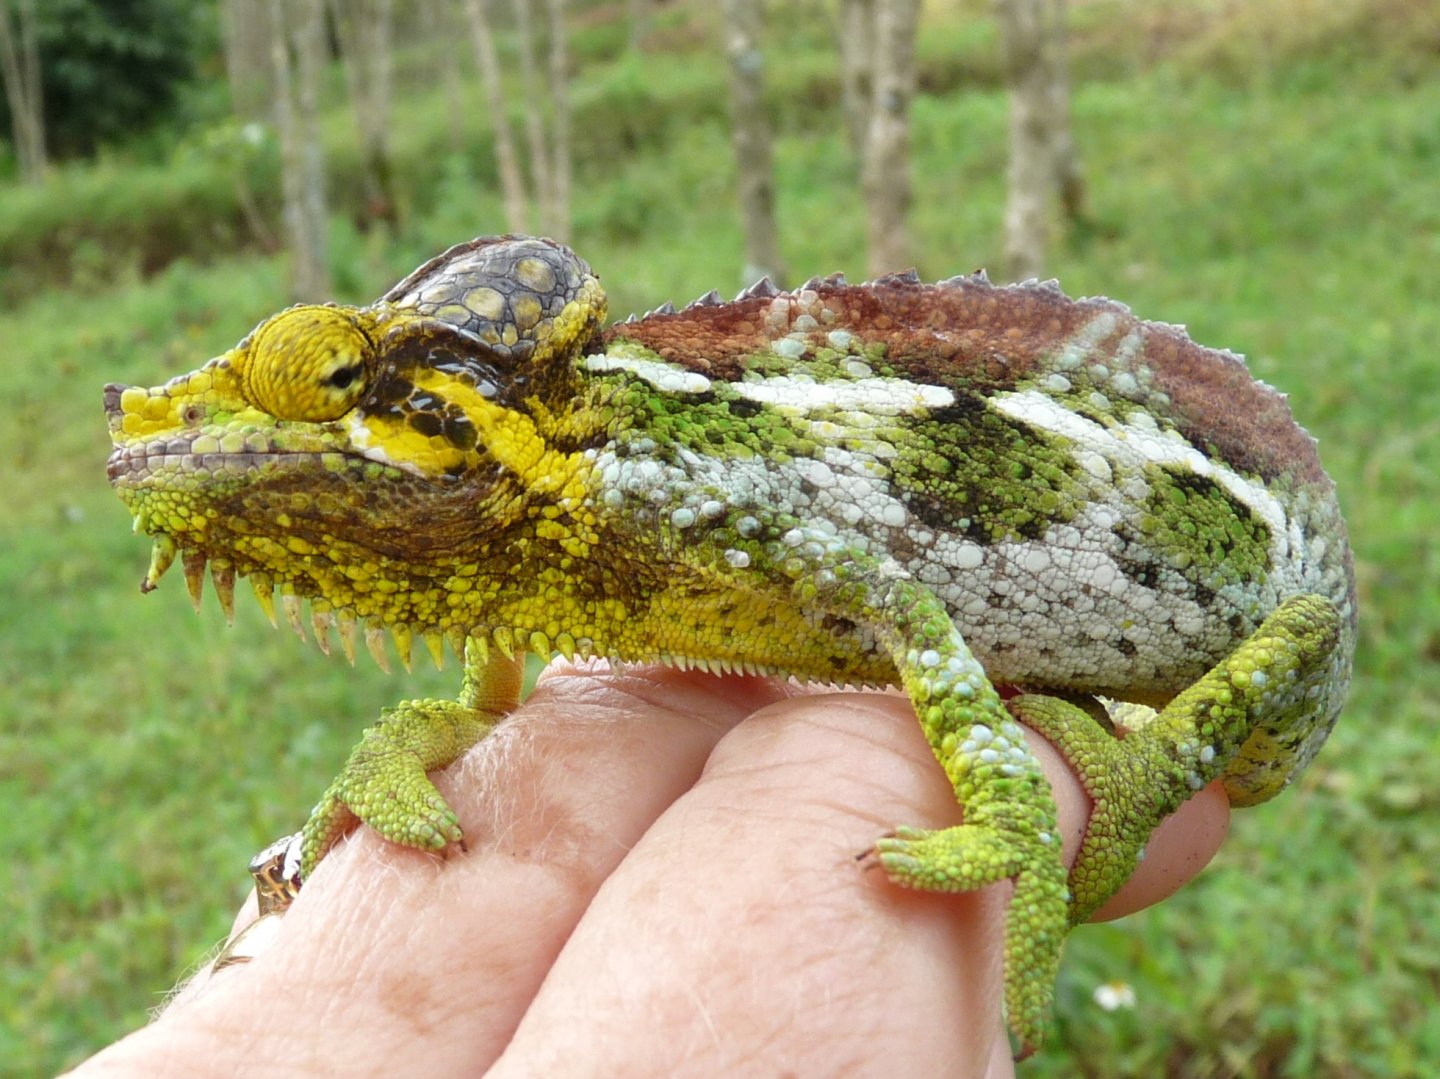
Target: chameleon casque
947	486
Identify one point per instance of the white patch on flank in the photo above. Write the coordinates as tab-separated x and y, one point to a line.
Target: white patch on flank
662	376
876	396
1132	446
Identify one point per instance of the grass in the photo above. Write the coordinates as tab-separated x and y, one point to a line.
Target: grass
1269	183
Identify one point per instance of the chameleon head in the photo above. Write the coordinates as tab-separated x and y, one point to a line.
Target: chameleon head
337	450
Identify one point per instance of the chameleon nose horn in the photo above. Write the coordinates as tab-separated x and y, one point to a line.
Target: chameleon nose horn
114	415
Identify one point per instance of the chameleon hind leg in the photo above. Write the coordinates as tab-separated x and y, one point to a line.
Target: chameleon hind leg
384	782
1249	708
1241	722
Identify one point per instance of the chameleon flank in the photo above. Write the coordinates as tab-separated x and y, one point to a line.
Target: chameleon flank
946	486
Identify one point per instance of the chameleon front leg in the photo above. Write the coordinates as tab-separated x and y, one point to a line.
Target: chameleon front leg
1246	707
384	783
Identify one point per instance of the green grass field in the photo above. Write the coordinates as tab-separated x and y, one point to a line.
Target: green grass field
1273	185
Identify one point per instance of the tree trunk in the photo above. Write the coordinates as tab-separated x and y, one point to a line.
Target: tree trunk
555	212
512	188
750	126
533	99
440	43
363	27
637	15
302	157
886	167
20	75
1068	175
245	31
1043	161
857	69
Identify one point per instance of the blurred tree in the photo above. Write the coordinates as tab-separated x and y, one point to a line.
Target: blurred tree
637	14
363	28
885	169
857	69
750	127
297	51
544	100
530	95
549	156
245	38
1043	160
20	74
555	210
512	188
440	43
111	67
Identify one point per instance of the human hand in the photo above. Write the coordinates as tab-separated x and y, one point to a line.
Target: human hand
662	879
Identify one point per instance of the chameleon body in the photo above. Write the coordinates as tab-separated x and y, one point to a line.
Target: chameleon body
947	486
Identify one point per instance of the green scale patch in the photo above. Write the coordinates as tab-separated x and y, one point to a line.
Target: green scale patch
1202	529
972	470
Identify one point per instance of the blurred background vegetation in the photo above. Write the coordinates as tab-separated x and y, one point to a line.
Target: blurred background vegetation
1265	171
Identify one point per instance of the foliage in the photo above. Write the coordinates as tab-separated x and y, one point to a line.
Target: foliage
112	67
1250	177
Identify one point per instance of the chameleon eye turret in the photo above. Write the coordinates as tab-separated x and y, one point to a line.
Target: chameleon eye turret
947	486
307	363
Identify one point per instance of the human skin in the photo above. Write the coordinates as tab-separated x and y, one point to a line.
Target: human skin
665	876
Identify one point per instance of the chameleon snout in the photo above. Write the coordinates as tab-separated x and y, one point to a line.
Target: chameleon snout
114	413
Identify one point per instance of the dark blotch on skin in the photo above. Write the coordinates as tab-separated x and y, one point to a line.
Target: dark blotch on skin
427	423
460	431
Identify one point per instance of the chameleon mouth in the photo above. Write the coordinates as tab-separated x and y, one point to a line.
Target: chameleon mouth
136	465
143	469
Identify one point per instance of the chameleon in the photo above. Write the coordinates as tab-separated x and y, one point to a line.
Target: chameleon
951	486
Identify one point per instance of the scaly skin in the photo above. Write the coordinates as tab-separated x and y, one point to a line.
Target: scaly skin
947	486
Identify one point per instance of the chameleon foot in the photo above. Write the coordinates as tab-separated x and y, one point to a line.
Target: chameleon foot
384	783
971	856
1255	697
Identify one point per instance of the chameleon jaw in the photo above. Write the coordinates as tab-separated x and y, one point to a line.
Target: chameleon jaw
323	617
509	641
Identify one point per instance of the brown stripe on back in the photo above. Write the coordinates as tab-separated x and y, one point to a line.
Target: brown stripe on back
1216	401
968	333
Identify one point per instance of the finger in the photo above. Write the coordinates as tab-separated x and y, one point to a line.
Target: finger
740	934
394	959
1179	848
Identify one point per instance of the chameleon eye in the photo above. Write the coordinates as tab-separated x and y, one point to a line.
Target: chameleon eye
307	363
343	377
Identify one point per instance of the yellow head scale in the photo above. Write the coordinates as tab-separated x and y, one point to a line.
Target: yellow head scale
306	363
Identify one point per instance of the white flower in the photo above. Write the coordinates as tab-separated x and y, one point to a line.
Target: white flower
1114	995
